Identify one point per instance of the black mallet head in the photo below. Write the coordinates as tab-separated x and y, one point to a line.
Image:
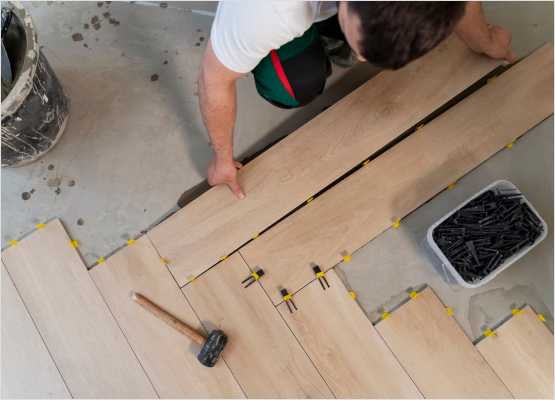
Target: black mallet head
212	348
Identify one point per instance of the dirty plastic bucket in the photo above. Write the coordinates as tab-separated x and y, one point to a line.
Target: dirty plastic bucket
34	112
444	267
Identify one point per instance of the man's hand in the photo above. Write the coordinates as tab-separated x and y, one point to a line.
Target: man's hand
499	45
225	171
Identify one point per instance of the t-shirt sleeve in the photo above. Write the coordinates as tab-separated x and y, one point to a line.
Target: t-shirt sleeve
244	32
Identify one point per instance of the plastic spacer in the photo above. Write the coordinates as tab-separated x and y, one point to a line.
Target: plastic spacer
353	295
516	311
130	241
491	79
309	200
74	243
488	332
541	317
347	258
365	162
449	310
192	279
287	297
385	315
419	127
40	225
396	224
163	262
101	260
255	236
319	274
413	295
224	257
255	276
451	186
12	242
510	144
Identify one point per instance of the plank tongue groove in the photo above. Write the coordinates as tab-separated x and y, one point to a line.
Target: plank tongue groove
28	371
434	350
368	202
344	346
169	358
308	160
521	354
78	329
262	353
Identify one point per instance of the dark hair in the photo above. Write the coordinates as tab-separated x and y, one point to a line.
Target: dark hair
397	32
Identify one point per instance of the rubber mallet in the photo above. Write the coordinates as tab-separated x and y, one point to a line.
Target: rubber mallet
211	347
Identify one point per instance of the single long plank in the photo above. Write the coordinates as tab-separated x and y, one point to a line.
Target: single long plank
436	353
169	358
216	224
344	346
262	352
521	354
366	203
82	336
28	371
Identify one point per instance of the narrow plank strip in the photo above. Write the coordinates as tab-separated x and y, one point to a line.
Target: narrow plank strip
199	235
169	358
344	346
81	334
368	202
262	352
28	371
521	354
436	353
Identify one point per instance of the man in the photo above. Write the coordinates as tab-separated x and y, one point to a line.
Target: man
281	43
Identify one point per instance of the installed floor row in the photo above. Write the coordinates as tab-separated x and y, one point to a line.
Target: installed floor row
66	341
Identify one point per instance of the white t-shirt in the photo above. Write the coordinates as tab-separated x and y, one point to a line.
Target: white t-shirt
244	32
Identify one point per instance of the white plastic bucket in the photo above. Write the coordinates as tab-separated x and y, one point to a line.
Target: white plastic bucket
444	267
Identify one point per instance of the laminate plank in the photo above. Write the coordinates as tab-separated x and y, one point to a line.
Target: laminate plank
436	353
262	353
28	371
168	357
75	323
368	202
521	354
216	224
344	346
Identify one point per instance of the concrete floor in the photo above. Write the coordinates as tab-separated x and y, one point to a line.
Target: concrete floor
134	144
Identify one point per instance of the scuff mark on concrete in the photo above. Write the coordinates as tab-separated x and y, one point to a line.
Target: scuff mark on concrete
25	196
54	182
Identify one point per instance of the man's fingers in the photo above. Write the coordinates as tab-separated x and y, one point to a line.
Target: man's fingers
238	165
510	57
237	191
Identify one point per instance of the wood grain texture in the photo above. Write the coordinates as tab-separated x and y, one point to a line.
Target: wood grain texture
521	354
169	358
28	371
81	334
344	346
262	353
434	350
289	173
368	202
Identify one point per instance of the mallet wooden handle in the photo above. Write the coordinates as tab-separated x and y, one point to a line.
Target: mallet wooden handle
168	319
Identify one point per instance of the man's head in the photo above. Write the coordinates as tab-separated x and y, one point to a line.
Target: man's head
392	34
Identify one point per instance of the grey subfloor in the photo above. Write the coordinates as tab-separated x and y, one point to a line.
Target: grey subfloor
134	144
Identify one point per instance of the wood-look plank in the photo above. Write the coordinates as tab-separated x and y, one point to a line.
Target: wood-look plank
216	224
369	201
434	350
344	346
75	323
28	371
168	357
262	353
521	354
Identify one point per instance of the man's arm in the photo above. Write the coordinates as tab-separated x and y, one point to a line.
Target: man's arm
218	106
483	37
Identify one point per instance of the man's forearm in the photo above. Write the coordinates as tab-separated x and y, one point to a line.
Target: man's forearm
218	106
473	29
